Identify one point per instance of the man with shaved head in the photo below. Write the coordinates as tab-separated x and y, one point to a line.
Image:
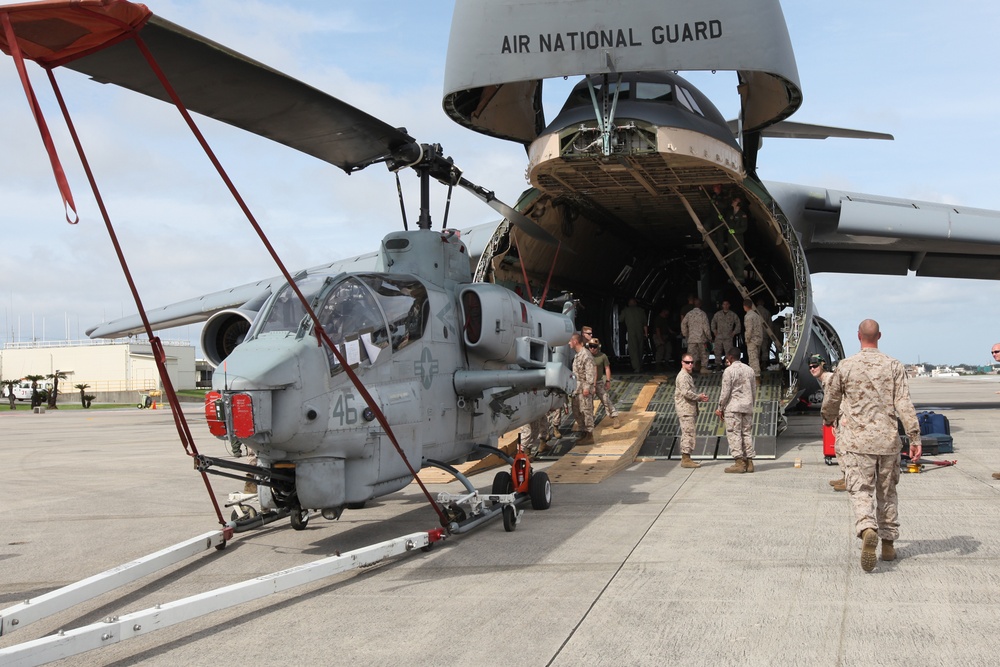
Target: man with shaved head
868	393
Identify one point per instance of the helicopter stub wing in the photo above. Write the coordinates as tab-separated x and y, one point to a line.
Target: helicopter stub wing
91	37
251	296
190	311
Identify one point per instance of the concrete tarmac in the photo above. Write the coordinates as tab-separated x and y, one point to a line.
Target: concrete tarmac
657	565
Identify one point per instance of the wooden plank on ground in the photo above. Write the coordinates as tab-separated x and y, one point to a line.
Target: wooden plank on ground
507	443
614	450
646	394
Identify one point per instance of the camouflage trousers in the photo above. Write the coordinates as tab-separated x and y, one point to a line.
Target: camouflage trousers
739	434
698	352
753	355
723	346
533	433
605	397
583	411
687	432
871	483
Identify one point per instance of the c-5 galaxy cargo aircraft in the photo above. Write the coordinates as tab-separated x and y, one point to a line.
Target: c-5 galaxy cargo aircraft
623	203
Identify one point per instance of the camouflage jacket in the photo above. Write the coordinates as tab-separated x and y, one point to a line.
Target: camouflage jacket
868	393
739	389
695	327
585	371
685	395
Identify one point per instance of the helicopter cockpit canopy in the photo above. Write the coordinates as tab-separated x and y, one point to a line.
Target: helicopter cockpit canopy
363	314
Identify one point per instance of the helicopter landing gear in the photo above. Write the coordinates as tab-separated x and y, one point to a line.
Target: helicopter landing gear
299	517
510	488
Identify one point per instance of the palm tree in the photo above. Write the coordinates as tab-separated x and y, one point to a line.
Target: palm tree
54	394
10	391
34	380
83	398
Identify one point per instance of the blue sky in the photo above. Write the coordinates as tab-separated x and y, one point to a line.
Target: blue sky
921	71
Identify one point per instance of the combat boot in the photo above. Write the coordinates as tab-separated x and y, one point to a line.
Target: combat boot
996	475
739	466
616	422
841	485
557	434
839	480
250	486
686	462
869	540
586	439
749	465
888	550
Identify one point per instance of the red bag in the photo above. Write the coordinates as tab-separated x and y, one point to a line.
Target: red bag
829	439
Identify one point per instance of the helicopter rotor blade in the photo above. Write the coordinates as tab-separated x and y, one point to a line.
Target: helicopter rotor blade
518	219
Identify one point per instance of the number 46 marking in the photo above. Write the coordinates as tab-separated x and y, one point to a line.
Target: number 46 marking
344	411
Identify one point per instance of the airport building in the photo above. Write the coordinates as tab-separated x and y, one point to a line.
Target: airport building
118	371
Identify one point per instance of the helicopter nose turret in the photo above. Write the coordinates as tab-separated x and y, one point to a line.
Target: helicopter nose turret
263	386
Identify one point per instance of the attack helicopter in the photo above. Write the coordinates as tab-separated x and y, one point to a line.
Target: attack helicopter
342	383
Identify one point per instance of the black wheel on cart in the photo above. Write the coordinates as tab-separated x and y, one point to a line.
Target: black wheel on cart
540	490
829	460
503	483
509	518
299	518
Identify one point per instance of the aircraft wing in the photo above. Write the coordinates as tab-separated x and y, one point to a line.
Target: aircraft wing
787	129
187	312
198	309
850	232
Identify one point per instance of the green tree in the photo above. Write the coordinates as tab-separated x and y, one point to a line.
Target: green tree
54	394
35	396
10	391
83	397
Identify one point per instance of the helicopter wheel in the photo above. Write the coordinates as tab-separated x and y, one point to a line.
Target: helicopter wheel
540	490
509	518
299	517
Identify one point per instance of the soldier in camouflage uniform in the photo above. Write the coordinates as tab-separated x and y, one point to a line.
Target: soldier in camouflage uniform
603	384
583	397
867	394
725	326
736	401
754	328
696	329
535	436
686	399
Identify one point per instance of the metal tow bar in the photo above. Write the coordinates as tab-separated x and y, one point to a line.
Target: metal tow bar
115	629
